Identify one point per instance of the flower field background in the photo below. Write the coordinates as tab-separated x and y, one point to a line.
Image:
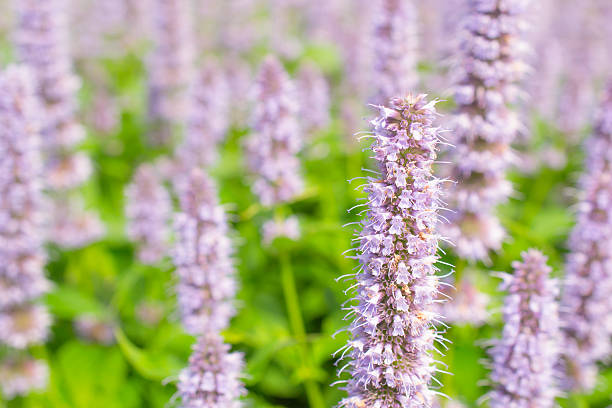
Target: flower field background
116	338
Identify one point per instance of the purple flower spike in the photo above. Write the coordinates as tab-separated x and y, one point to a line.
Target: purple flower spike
392	332
395	47
42	42
275	228
205	292
148	213
170	65
20	375
202	255
490	66
212	379
73	225
525	356
22	209
586	307
207	120
276	140
313	95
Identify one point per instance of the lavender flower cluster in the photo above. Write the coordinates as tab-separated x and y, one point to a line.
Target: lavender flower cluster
212	378
148	212
43	44
483	125
23	322
20	375
524	358
202	255
313	97
207	119
392	332
276	140
205	294
467	304
42	40
395	47
275	228
586	306
170	65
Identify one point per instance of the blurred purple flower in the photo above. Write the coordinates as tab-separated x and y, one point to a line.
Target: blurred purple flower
238	77
105	114
94	329
97	27
203	258
313	96
468	304
22	204
206	290
356	48
276	137
483	125
170	66
24	324
207	119
586	311
42	42
288	228
22	209
392	332
395	49
582	28
148	210
525	356
20	375
73	225
212	379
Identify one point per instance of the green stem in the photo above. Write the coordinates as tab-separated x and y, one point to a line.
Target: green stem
313	393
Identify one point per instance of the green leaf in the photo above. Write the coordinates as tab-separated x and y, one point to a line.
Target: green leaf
155	366
68	303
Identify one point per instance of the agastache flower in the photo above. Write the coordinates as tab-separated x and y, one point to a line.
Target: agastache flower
97	28
238	77
275	228
212	378
170	66
104	114
276	137
395	48
205	292
356	47
202	255
586	306
524	358
73	225
483	125
20	375
43	44
42	41
148	212
207	120
392	332
468	304
94	329
583	30
22	209
313	96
